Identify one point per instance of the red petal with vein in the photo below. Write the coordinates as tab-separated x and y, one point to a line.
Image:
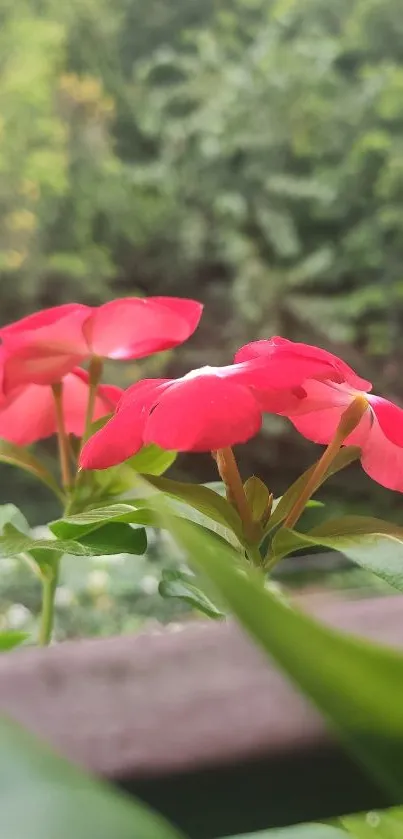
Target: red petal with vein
134	327
298	362
203	413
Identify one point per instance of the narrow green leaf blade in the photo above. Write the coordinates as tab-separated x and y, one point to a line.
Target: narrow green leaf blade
17	456
203	499
44	797
346	456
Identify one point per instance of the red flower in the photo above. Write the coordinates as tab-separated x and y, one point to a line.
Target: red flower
208	409
43	347
315	409
28	413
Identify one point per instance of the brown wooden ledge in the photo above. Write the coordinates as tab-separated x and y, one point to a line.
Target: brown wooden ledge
197	722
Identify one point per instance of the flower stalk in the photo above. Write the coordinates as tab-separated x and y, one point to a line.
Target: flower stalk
348	422
229	474
49	585
62	437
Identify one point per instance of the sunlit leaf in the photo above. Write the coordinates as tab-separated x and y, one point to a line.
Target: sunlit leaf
11	638
373	544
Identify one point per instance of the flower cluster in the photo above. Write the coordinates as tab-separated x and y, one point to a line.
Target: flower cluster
44	349
208	409
216	407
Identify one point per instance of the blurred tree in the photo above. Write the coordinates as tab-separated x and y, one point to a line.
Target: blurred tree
246	152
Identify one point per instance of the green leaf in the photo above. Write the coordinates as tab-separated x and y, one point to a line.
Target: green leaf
18	456
152	460
373	544
13	542
203	499
283	506
357	686
10	514
384	824
44	797
184	587
299	831
116	538
10	639
259	498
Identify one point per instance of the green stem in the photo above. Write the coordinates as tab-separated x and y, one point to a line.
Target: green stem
348	422
49	585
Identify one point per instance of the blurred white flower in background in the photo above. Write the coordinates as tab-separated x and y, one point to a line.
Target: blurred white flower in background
17	616
98	581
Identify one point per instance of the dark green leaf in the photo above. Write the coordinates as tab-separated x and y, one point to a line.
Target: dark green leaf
373	544
116	538
184	587
10	639
18	456
203	499
283	506
351	681
44	797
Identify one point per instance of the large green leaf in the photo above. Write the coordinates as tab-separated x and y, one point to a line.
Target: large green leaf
44	797
283	506
373	544
358	686
203	499
116	538
13	542
18	456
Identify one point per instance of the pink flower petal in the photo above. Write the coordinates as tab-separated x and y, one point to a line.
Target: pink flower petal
381	459
44	354
134	327
28	413
118	440
203	413
75	400
122	436
300	361
390	418
45	317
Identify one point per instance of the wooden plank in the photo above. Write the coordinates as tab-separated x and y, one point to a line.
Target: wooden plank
157	710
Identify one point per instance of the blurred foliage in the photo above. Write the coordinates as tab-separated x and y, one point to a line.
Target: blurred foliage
245	152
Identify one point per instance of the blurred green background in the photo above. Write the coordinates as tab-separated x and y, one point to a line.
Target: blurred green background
248	153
